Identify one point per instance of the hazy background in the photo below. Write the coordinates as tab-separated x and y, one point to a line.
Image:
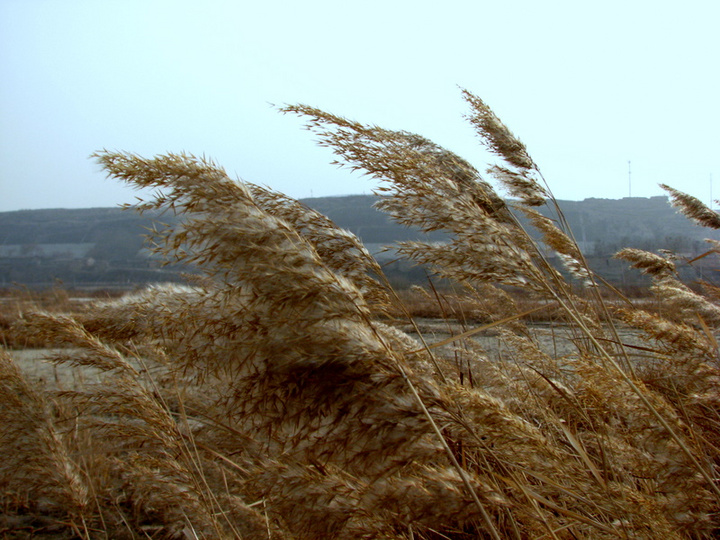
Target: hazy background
587	86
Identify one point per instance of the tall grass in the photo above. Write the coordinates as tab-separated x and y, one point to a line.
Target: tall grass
267	399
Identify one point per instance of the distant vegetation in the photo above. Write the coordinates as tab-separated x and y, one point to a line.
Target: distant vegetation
287	394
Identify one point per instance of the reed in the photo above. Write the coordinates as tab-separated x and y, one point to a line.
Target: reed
274	397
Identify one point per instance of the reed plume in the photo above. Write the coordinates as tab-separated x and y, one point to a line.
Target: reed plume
37	476
693	208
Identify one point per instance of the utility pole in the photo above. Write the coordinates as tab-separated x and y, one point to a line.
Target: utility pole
711	199
629	180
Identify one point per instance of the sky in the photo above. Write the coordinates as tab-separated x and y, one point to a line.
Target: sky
611	98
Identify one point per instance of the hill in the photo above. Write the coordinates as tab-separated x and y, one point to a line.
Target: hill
104	247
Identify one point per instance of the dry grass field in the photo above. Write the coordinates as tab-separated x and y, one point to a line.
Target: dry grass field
288	392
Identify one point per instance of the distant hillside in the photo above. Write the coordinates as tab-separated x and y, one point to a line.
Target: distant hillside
105	246
609	225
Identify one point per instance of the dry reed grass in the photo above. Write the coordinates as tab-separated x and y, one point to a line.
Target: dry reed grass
268	400
17	300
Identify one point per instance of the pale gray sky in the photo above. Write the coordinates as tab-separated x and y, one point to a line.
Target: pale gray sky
587	86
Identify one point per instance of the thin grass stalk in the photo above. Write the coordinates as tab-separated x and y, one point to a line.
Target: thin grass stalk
466	480
628	380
